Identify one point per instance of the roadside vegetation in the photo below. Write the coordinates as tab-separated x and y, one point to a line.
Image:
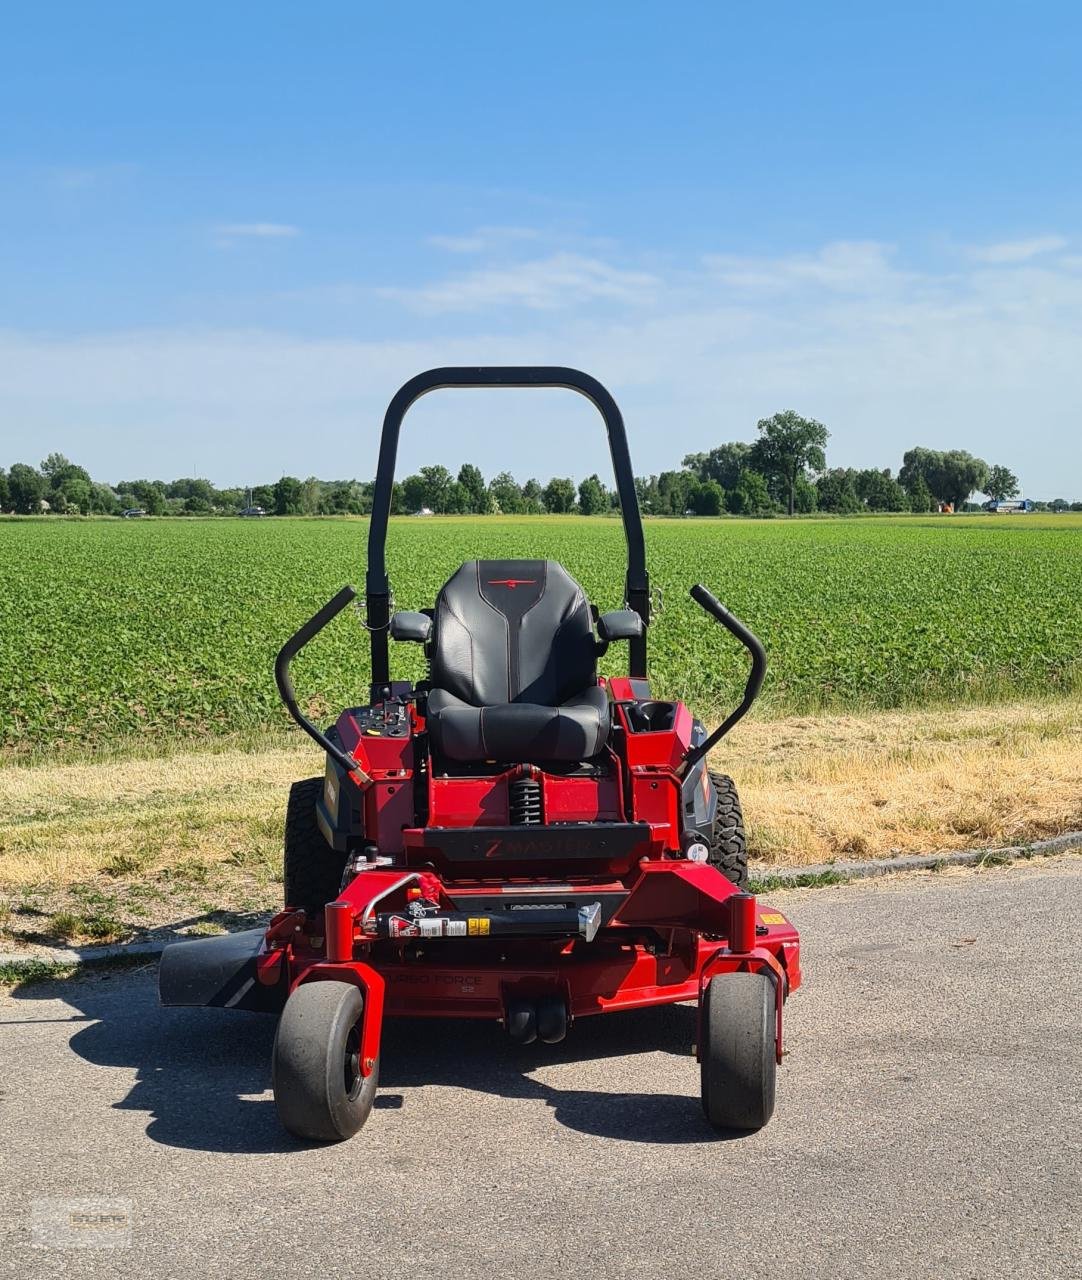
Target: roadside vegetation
783	470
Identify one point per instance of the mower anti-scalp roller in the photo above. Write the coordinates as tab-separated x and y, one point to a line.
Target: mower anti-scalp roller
516	838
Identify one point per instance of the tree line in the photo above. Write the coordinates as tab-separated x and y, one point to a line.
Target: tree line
783	470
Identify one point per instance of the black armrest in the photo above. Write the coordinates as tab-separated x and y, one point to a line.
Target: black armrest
620	624
411	626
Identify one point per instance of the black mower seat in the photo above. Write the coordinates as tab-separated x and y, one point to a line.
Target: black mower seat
514	666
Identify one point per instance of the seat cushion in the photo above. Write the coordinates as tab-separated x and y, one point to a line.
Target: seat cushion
519	732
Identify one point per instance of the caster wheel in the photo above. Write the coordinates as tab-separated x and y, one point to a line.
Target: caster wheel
319	1090
551	1019
522	1021
737	1051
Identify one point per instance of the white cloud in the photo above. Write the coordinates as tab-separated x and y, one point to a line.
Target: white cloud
484	239
845	266
560	281
1018	250
256	231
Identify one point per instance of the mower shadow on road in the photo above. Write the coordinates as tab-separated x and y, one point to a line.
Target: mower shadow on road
203	1075
478	1056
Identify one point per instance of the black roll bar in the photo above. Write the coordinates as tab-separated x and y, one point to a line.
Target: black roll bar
377	585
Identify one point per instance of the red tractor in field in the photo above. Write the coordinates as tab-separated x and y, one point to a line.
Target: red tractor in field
513	838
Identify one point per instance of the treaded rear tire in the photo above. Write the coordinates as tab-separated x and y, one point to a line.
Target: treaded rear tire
737	1054
315	1068
728	843
311	870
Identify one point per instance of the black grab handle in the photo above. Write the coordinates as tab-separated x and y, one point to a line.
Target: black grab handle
708	601
287	653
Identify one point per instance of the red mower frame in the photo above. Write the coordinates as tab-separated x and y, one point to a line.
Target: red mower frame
457	902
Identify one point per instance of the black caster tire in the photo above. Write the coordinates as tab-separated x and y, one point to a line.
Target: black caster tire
522	1021
737	1053
319	1090
551	1019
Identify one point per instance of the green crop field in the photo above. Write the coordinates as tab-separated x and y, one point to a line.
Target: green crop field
110	629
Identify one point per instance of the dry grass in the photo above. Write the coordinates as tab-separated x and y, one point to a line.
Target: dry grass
96	850
819	788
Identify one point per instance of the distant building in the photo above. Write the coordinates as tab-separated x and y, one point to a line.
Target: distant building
252	511
133	513
1011	506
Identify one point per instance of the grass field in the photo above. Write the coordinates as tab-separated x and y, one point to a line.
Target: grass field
160	630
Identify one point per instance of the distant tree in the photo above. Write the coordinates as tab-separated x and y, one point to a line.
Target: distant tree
707	498
1001	484
287	496
413	494
674	492
750	497
962	474
1060	504
197	505
559	496
471	479
837	491
646	491
1076	506
592	497
951	476
26	488
311	495
506	495
5	496
104	501
788	444
53	466
459	500
437	487
230	499
921	498
192	487
262	496
806	496
533	499
68	486
723	464
879	492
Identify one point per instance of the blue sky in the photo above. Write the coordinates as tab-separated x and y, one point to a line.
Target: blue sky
228	232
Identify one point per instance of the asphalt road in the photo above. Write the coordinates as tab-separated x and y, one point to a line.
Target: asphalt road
927	1122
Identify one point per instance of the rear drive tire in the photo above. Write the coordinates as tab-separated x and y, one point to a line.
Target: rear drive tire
737	1053
312	870
728	843
319	1090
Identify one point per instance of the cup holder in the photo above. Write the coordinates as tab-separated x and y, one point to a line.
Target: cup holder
650	717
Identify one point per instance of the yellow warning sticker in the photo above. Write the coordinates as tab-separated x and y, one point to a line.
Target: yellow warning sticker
478	925
772	917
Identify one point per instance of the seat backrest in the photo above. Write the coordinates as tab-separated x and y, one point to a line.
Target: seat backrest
513	631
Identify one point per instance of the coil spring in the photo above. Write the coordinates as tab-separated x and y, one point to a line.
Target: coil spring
524	802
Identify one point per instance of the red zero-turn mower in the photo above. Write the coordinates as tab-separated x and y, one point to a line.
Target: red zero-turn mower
512	838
